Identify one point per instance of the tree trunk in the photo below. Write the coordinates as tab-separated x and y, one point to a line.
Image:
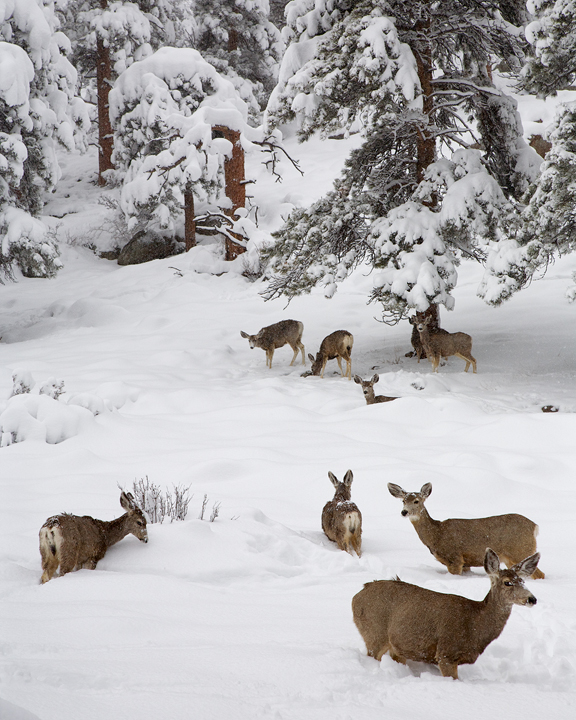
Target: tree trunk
189	221
234	178
426	142
103	83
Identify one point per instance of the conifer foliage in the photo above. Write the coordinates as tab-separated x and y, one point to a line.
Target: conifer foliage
38	110
443	163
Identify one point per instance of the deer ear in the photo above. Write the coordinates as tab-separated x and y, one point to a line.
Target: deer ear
526	567
348	478
127	501
333	479
244	335
375	378
491	562
358	379
425	490
310	357
396	491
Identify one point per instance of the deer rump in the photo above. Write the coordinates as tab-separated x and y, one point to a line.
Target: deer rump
76	541
414	623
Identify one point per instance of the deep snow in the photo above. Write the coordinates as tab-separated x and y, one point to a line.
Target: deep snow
249	616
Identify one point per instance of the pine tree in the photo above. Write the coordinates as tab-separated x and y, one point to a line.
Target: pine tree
164	109
443	163
237	37
38	110
553	39
549	221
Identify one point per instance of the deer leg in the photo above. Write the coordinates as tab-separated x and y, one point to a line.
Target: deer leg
323	368
447	668
49	566
303	355
296	350
269	356
395	655
340	365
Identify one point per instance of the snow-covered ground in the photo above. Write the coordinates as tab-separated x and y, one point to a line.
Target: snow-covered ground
249	616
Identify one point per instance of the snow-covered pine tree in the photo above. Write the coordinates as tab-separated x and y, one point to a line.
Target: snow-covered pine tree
443	160
107	36
549	222
552	36
38	110
163	110
237	37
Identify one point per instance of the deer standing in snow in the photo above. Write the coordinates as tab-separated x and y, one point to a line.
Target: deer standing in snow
341	519
444	344
276	336
368	390
72	542
461	543
413	623
336	345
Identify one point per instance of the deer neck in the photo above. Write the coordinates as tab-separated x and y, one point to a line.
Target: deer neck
427	528
115	530
492	616
342	496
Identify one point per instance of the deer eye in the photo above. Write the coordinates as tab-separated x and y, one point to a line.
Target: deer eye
139	522
508	583
416	502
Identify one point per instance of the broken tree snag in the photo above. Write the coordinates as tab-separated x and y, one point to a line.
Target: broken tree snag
235	181
189	221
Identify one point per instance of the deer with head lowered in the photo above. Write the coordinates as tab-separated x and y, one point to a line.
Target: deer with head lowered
276	336
337	345
413	623
442	344
460	543
341	519
71	542
368	390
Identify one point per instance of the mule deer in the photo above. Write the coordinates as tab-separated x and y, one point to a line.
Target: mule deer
72	542
276	336
341	519
444	344
461	543
368	390
336	345
413	623
433	327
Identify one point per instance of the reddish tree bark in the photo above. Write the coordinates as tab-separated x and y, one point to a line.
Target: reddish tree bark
234	178
103	84
189	221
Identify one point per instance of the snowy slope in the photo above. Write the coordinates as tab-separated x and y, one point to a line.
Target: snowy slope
249	616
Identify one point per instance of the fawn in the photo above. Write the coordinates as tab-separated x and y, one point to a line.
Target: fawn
71	542
444	344
368	390
341	519
336	345
276	336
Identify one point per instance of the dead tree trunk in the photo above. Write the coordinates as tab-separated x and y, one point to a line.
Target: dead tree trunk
234	178
103	84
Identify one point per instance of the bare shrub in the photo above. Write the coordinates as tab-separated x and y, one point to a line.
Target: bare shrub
159	504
